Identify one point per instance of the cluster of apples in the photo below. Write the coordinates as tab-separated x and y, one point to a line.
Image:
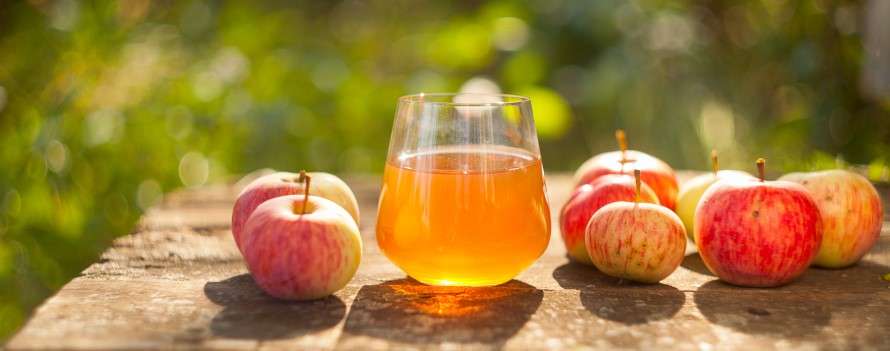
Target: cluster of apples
298	233
620	217
748	231
759	233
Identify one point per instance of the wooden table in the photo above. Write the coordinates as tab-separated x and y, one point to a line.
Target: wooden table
179	282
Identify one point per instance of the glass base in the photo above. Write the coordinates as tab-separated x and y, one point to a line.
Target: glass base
462	282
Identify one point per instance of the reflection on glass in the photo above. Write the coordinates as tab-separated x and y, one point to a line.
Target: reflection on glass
463	200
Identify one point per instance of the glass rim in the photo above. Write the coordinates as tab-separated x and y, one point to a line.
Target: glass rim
507	99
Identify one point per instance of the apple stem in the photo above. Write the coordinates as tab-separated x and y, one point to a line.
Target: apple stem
715	165
761	163
622	143
305	179
637	184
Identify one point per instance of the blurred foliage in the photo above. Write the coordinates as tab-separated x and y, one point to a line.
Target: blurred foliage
106	105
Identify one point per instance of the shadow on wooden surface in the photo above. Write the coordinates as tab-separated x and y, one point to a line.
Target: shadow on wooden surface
805	307
760	311
407	311
694	263
577	276
251	314
618	300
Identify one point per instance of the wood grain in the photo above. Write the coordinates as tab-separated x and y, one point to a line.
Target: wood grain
179	282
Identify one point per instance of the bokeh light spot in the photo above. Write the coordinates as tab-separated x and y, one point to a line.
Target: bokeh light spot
879	171
510	33
64	14
207	86
551	111
461	44
101	127
524	68
716	125
148	193
478	85
670	32
194	169
56	156
230	64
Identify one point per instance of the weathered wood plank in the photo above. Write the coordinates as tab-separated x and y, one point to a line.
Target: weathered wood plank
179	282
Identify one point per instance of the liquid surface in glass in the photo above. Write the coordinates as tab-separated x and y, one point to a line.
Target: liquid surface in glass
466	215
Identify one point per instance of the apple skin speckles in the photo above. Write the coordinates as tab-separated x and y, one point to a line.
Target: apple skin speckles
654	172
691	192
757	233
297	256
589	198
852	214
278	184
637	241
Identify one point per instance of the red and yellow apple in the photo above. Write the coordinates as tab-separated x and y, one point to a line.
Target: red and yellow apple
589	198
643	242
752	232
278	184
692	190
657	174
301	247
851	214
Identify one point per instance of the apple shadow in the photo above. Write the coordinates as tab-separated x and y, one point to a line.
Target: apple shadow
693	262
806	306
249	313
618	300
761	311
407	311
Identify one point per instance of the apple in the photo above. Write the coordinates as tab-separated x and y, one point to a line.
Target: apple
643	242
752	232
692	190
301	247
656	173
586	200
851	214
278	184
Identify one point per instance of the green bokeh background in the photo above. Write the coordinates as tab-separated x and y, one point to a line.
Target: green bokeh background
106	105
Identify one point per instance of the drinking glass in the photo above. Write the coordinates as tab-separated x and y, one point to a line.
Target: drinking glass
463	199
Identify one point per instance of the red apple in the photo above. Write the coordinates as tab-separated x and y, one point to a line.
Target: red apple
586	200
278	184
752	232
851	214
637	241
301	247
656	173
692	190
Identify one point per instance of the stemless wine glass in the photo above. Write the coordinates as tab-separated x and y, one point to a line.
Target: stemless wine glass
463	199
